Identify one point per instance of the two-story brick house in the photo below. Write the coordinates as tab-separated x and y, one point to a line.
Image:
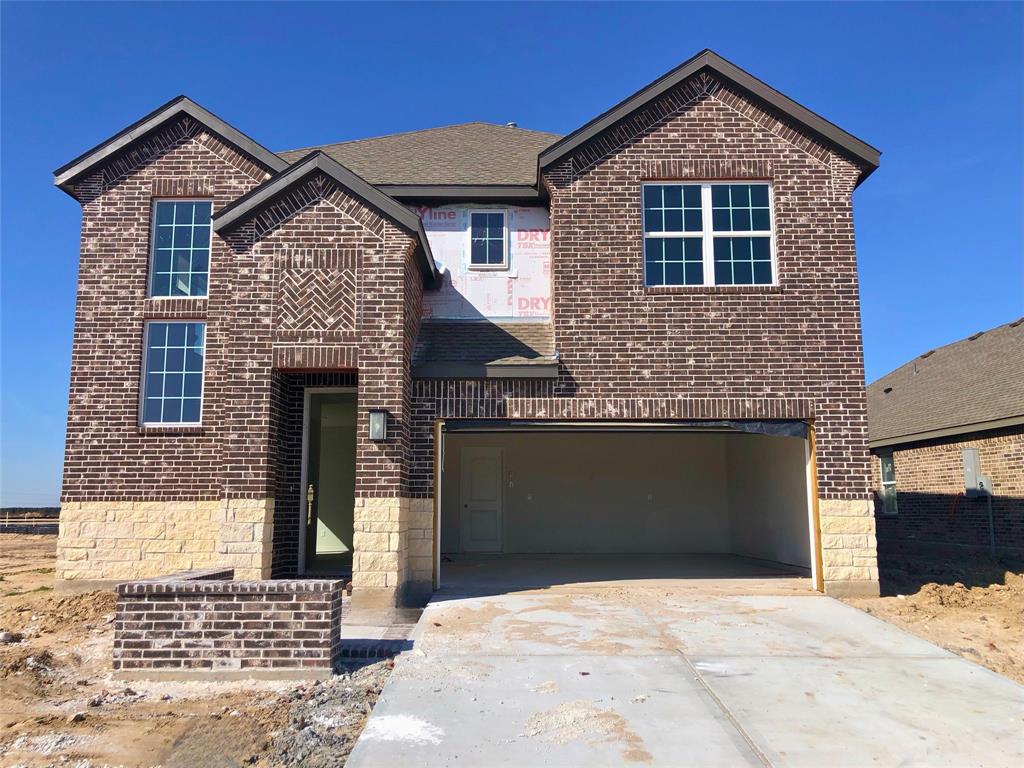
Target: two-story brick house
642	338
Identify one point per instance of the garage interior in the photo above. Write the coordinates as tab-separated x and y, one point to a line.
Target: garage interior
534	507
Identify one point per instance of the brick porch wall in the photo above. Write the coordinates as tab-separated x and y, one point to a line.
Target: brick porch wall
202	625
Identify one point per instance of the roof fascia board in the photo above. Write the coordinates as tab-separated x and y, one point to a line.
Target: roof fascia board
964	429
832	133
64	176
259	198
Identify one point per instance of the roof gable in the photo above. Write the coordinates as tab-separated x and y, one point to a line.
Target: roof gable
865	155
258	199
65	176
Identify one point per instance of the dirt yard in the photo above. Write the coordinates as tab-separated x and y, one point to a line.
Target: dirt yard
60	706
972	607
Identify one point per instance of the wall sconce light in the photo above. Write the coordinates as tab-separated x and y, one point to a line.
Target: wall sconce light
378	425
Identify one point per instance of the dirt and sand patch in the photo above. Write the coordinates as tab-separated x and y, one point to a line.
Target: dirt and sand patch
59	702
973	607
583	720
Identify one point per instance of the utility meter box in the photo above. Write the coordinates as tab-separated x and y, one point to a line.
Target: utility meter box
975	483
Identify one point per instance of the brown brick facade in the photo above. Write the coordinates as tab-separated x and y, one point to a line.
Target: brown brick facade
318	288
204	623
932	507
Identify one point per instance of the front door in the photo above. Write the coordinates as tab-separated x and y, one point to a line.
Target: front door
329	494
481	497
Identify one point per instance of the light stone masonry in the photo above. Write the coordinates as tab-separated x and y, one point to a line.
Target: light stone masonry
848	547
111	540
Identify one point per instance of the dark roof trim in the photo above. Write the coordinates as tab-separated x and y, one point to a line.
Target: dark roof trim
65	176
962	429
461	191
256	200
531	370
833	134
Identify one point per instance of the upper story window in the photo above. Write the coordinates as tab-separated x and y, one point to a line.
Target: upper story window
180	264
488	233
708	234
888	470
173	376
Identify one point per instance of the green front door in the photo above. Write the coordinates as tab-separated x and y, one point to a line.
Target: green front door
331	474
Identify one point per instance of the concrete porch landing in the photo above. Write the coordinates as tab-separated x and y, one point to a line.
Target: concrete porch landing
663	675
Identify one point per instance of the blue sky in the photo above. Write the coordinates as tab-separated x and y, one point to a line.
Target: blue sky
937	87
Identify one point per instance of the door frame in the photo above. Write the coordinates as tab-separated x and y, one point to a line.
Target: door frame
303	511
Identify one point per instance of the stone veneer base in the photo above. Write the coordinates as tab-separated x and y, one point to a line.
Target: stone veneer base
849	547
139	539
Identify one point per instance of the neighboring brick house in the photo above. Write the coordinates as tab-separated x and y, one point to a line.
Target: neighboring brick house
643	337
961	404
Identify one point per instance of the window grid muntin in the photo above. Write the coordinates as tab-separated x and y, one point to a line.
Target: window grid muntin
708	234
686	262
177	240
494	239
178	375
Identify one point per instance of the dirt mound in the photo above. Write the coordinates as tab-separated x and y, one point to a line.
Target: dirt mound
971	607
55	613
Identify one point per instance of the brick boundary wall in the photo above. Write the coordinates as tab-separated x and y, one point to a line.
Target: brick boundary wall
202	625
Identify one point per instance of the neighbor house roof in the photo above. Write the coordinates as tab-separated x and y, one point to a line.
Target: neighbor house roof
263	196
966	386
65	176
468	154
707	59
484	349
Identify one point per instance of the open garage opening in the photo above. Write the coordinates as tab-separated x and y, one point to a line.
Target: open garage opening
532	508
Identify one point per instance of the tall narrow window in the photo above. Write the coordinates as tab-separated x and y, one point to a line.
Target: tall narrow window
707	234
181	248
488	238
173	383
888	469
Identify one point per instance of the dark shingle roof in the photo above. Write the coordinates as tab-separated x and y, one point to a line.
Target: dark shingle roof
469	153
467	348
977	380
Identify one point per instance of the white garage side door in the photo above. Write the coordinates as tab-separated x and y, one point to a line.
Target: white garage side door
481	499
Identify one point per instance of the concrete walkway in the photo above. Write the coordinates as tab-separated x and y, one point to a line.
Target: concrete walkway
673	676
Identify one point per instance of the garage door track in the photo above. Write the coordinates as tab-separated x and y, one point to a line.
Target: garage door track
576	676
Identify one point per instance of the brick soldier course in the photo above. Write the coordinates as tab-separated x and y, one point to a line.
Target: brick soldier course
317	278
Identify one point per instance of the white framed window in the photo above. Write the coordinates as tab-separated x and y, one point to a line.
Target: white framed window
708	233
180	259
488	239
173	372
889	496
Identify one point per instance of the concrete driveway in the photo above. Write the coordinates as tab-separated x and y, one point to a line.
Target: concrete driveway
664	675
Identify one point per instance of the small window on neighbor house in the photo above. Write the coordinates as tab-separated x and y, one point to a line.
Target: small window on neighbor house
707	234
173	374
181	248
888	468
487	239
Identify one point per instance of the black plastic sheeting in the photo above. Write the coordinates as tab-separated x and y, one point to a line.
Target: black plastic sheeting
773	427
